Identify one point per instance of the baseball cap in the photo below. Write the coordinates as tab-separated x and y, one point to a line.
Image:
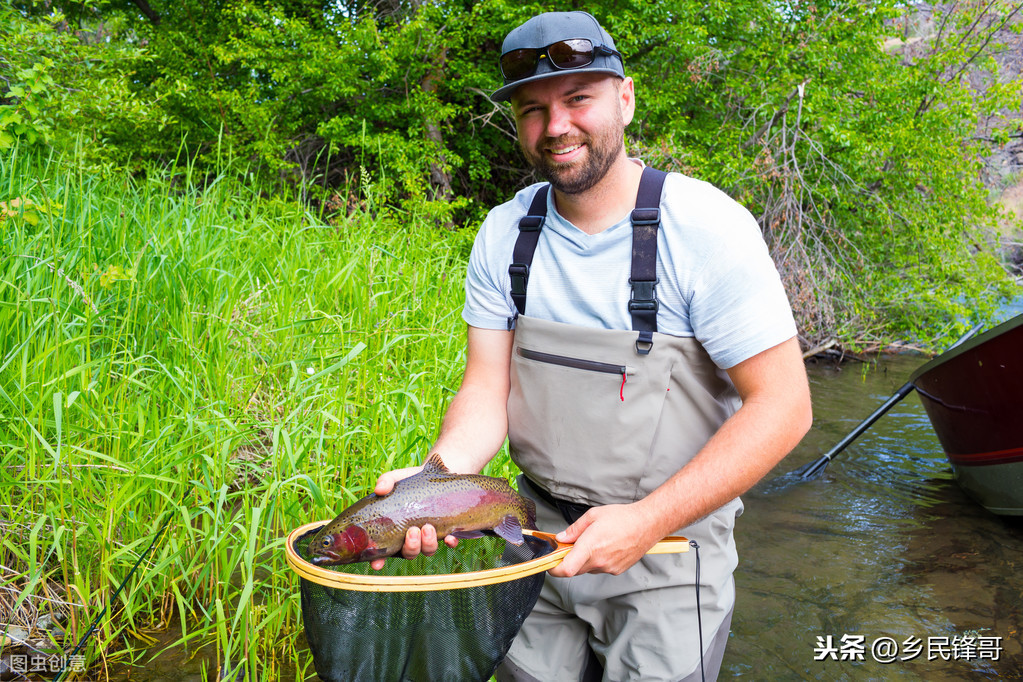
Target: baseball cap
543	31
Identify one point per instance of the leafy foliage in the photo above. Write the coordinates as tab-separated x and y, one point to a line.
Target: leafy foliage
859	160
850	129
205	357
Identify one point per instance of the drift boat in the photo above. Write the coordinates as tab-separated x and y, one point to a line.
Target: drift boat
973	395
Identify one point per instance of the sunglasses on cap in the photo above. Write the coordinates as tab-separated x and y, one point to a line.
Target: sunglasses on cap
574	53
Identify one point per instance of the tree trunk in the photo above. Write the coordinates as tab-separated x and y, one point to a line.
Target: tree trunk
144	7
440	178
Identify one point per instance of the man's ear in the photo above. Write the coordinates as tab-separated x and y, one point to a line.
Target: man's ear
627	99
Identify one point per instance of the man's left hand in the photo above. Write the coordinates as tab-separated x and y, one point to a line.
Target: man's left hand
608	539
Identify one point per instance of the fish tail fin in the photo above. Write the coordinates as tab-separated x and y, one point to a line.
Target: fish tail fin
530	513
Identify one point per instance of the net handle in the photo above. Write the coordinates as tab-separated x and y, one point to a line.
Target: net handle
424	583
672	544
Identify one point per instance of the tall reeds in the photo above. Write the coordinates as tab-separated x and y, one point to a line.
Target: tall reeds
210	355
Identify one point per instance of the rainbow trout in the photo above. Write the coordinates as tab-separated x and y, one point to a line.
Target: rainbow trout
463	505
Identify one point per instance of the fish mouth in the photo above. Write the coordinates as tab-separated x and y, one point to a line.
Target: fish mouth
326	559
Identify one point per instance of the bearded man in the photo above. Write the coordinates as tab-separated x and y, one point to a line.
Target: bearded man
654	376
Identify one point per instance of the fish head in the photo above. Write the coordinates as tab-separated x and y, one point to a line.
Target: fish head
343	546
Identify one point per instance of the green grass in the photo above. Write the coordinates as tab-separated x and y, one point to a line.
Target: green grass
216	357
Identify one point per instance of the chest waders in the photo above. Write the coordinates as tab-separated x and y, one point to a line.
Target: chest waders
605	416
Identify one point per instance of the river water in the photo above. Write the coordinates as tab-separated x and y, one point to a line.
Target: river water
883	553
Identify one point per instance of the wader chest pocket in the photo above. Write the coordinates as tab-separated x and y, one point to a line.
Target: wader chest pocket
579	363
575	363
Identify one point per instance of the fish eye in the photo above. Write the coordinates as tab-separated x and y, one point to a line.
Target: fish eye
325	542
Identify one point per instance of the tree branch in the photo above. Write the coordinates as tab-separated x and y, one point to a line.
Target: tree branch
144	7
778	114
987	40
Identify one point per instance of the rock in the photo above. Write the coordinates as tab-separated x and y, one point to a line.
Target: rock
13	635
51	625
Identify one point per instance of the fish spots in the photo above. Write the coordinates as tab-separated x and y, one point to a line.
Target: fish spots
376	526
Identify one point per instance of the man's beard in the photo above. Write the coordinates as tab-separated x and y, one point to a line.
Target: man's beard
601	153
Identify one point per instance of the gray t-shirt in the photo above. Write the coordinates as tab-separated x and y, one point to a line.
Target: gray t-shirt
717	281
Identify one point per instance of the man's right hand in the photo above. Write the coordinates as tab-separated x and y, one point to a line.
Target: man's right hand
417	540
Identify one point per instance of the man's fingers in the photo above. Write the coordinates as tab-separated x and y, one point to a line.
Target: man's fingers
385	484
413	543
572	564
418	541
429	540
572	533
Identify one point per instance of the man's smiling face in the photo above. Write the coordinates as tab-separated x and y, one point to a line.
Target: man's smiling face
571	128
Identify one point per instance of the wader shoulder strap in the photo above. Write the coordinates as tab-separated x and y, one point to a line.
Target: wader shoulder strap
646	219
525	245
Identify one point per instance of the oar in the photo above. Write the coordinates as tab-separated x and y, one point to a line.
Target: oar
817	467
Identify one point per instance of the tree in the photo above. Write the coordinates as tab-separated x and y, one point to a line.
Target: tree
850	129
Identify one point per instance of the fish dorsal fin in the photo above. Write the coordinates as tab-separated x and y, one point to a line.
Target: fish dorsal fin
435	465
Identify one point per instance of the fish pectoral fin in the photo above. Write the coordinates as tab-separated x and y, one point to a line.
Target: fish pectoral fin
510	529
467	534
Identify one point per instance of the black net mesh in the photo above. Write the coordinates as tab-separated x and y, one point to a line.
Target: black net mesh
451	635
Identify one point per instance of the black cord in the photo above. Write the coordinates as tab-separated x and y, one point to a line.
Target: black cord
92	628
699	619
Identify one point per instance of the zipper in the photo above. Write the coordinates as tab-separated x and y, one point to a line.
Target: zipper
578	363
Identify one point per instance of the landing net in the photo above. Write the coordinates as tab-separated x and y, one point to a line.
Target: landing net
450	617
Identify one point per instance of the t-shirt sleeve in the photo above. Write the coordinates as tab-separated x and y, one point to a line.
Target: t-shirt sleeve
487	295
739	307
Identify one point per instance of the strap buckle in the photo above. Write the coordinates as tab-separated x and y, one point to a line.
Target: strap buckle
643	296
646	216
637	305
519	273
531	223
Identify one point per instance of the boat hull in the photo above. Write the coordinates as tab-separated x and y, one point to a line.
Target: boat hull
973	396
996	486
